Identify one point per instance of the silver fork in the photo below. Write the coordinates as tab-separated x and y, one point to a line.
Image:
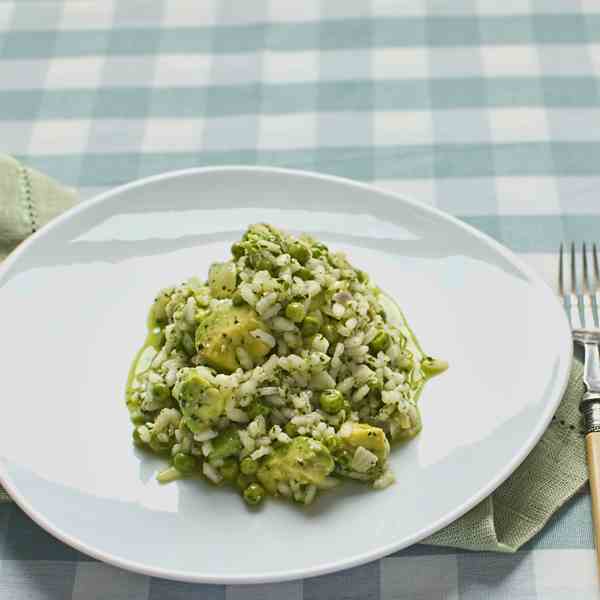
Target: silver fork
582	304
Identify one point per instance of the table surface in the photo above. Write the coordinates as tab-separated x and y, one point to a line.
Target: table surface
488	110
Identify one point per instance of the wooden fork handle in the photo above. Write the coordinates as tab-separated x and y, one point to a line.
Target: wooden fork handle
592	444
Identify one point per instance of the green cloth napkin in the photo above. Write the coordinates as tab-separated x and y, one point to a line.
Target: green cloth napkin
553	472
28	200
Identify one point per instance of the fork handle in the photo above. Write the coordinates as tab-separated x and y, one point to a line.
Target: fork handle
590	409
592	444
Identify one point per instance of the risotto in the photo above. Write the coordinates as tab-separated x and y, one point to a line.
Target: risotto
285	372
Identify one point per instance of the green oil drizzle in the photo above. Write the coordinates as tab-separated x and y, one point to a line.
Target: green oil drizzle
144	356
396	318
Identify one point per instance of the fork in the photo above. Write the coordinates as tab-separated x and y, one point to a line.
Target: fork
581	300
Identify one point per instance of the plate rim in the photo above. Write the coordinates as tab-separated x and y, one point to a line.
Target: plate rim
566	355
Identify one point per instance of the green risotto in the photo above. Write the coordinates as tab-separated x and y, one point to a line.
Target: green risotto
284	373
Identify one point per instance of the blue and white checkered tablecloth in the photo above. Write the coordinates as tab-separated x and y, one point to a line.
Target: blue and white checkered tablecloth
488	110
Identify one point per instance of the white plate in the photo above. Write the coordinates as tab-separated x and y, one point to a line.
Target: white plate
74	301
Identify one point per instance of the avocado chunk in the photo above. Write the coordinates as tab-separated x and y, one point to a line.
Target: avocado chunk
304	460
201	403
405	426
222	279
225	329
226	444
372	438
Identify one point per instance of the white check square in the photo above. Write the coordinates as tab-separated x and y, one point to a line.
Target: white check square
61	136
507	61
594	52
189	14
511	125
400	63
394	8
285	67
293	11
566	574
348	9
506	7
527	195
182	70
6	13
402	128
87	15
172	135
80	72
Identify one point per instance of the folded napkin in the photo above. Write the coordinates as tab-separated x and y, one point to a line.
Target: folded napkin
553	472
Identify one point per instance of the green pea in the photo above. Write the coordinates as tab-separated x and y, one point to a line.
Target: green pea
200	314
374	397
243	481
402	341
237	298
184	463
254	494
333	443
291	429
137	440
258	262
264	265
226	444
310	326
405	360
371	361
330	332
237	250
300	252
248	466
332	401
433	366
258	408
380	342
319	250
303	273
362	276
374	383
295	312
137	417
161	393
159	446
229	470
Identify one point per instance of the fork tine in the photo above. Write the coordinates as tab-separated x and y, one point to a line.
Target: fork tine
573	270
590	315
576	311
561	274
567	298
586	285
595	286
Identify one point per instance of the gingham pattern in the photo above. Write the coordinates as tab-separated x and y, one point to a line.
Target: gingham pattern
489	110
